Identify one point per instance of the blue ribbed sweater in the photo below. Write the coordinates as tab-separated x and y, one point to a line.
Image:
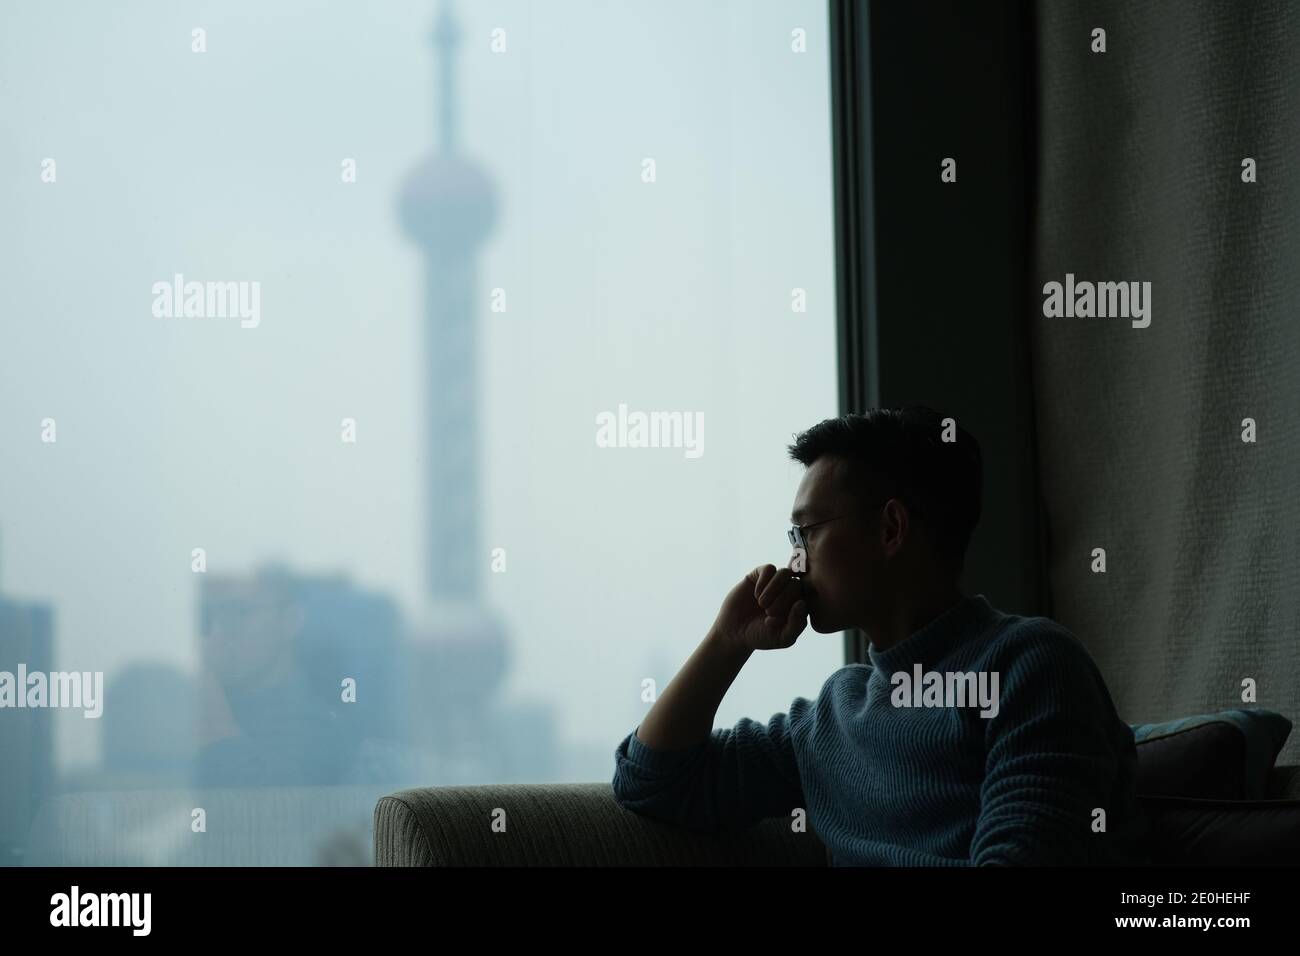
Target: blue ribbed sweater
890	785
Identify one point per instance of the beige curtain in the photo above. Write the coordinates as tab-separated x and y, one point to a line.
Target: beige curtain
1140	429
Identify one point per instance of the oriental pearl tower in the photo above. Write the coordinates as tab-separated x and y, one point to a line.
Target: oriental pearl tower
448	207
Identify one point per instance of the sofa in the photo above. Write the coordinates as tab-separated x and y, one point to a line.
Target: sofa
1207	785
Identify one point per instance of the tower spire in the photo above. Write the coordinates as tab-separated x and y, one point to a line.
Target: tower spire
446	38
448	207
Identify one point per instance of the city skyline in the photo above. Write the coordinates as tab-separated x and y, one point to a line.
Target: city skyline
205	435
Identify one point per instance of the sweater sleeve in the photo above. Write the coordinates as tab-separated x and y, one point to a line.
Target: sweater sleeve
1052	756
729	781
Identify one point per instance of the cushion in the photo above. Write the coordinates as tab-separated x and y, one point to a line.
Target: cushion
1223	756
1189	832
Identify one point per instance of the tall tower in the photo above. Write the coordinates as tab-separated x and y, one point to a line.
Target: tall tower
448	207
459	653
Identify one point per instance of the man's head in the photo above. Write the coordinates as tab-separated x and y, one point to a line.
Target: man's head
903	502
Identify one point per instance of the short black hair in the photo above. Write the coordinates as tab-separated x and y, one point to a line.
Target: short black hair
900	453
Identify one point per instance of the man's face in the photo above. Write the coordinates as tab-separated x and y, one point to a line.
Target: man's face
844	563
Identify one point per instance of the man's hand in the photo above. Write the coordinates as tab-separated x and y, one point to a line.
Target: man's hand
764	611
761	612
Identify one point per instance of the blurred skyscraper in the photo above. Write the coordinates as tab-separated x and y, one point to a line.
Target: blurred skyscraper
26	733
275	646
460	654
448	207
276	650
147	736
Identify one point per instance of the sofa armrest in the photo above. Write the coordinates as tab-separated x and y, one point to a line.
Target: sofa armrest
575	824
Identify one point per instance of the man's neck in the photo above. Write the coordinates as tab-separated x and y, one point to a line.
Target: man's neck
910	615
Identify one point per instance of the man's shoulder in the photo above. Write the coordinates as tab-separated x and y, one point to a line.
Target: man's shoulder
1042	663
1033	642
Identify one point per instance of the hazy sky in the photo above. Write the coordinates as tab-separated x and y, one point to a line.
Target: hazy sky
183	433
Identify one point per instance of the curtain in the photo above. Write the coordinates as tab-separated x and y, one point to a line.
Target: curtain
1140	429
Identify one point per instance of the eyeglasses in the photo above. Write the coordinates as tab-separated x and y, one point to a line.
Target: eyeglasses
796	532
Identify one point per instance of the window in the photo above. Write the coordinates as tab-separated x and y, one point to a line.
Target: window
325	345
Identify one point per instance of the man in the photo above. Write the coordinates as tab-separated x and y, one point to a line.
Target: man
972	737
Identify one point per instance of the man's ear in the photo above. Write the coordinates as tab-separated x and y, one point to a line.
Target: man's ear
895	527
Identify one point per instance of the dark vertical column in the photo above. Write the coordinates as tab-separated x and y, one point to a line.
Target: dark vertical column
934	303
